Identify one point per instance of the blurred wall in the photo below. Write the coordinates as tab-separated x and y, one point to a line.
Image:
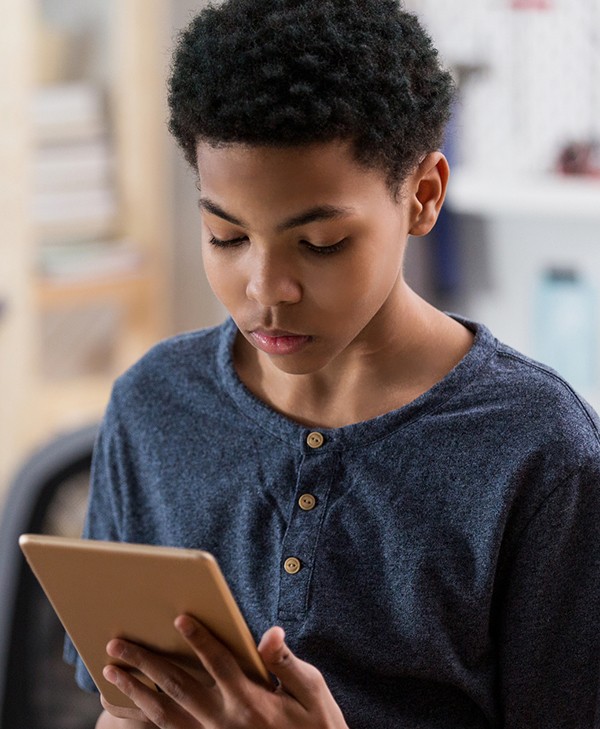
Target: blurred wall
193	302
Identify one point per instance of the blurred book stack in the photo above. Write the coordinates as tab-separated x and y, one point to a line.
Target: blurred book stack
77	222
75	203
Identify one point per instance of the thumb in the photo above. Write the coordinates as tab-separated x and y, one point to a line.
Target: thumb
298	678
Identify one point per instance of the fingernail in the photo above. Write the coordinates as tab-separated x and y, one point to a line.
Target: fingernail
115	648
185	625
110	674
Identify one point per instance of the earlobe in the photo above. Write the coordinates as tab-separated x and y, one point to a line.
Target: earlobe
429	184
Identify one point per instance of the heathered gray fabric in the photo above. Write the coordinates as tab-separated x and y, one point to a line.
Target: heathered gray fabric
451	567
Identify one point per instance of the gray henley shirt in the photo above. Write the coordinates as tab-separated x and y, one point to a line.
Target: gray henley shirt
449	551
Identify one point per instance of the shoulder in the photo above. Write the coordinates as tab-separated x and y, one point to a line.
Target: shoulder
521	414
531	433
177	351
183	367
542	392
536	406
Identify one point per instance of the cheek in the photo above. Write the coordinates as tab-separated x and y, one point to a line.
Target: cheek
361	282
220	276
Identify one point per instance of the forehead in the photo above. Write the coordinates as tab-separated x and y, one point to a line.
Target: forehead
283	179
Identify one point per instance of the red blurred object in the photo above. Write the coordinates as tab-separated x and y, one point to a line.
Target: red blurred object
580	158
531	4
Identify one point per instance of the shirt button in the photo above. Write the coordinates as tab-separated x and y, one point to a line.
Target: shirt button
307	502
292	565
315	440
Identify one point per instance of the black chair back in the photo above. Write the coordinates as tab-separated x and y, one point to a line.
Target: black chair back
47	496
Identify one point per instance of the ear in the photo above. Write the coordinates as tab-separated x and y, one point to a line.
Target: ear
427	190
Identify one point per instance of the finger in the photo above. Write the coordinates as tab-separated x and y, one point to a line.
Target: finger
123	712
159	709
216	658
299	679
175	682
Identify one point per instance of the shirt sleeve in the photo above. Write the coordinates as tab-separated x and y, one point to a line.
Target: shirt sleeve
549	633
103	513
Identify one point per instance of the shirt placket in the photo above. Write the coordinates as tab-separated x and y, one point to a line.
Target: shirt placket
300	544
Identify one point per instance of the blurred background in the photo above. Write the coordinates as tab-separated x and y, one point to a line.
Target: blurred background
100	244
99	230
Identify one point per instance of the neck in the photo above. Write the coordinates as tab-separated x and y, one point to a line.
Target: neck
398	357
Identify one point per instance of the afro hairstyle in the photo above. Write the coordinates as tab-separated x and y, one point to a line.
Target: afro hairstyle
295	72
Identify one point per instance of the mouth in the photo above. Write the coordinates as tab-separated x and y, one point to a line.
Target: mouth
278	342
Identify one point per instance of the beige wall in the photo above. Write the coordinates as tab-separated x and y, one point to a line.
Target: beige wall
193	303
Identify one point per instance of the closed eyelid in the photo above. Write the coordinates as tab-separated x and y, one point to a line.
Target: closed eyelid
225	235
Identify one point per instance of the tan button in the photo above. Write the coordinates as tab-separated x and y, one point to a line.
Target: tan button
307	502
315	440
292	565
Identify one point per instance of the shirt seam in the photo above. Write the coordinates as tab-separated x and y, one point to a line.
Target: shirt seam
557	378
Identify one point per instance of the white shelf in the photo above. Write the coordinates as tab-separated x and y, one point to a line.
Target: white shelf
489	194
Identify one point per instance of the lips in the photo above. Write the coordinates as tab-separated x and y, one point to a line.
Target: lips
279	342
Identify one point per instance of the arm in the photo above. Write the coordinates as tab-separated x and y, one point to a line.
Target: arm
229	700
548	612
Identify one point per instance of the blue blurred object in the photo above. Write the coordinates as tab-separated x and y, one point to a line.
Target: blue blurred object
565	326
446	271
445	254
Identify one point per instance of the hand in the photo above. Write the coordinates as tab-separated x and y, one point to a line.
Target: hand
230	700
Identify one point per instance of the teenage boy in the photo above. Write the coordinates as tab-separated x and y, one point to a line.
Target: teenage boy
414	503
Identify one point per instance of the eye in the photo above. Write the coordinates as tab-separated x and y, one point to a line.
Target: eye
325	250
230	243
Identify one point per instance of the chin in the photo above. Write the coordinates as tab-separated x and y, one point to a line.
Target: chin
297	365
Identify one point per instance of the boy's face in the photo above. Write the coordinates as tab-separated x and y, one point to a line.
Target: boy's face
304	247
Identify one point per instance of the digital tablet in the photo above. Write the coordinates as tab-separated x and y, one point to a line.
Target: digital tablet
104	590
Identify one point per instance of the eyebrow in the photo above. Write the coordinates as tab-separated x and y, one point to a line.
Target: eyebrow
312	215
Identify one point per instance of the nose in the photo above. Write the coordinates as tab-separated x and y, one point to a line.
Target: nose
272	280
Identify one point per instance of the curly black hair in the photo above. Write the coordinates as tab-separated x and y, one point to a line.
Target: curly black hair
292	72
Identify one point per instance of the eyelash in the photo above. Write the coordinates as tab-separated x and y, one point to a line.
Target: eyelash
319	250
326	250
219	243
